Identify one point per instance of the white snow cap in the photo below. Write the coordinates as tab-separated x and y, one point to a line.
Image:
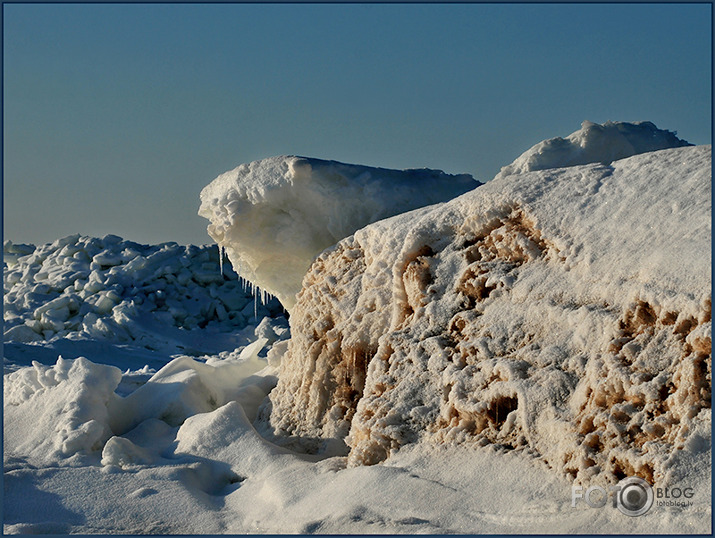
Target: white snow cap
594	143
274	216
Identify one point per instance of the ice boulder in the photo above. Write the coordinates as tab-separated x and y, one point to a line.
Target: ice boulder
565	313
13	251
594	143
274	216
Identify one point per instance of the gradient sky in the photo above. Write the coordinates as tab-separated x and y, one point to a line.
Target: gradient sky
116	116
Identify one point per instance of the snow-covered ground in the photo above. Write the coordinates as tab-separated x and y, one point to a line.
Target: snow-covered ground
470	367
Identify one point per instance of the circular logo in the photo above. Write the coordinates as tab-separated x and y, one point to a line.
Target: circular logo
635	496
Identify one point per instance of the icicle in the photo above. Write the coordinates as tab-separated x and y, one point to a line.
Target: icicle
220	258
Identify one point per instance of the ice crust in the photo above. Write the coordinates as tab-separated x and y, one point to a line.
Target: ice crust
564	312
115	290
594	143
274	216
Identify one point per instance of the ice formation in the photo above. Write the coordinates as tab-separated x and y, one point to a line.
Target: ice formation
76	411
112	289
594	143
274	216
564	312
558	316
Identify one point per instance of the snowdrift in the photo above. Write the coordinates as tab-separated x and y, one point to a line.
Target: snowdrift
78	413
563	312
273	217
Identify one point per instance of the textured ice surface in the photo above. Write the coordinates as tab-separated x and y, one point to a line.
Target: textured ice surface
274	216
564	312
112	290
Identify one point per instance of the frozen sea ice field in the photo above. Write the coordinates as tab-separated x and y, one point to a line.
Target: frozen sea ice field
451	363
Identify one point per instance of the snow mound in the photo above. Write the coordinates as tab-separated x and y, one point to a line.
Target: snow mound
564	312
274	216
112	289
77	413
65	404
594	143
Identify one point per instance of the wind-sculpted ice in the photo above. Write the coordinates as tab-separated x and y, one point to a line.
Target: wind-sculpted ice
274	216
563	312
594	143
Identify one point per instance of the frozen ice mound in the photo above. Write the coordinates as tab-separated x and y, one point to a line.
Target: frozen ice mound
564	312
274	216
115	290
77	413
594	143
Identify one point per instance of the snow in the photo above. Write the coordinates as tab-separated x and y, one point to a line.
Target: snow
486	354
274	216
594	143
563	313
146	297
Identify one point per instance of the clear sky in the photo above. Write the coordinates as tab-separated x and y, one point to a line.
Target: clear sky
116	116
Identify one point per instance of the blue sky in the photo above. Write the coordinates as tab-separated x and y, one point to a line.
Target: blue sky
115	116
